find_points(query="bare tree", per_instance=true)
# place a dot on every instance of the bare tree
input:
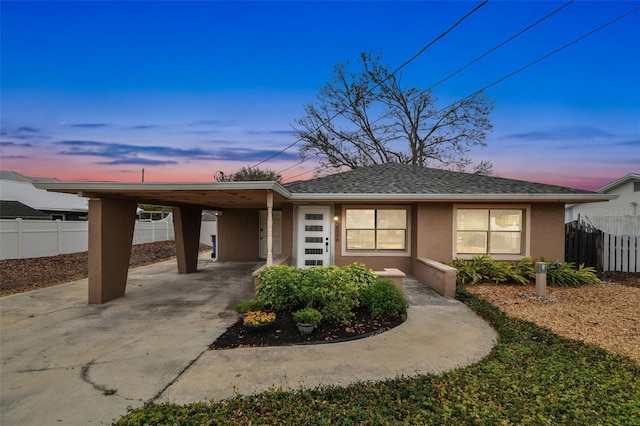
(368, 118)
(248, 174)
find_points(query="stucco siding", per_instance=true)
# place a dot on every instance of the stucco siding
(238, 235)
(547, 231)
(434, 231)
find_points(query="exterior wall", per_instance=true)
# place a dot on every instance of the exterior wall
(433, 231)
(238, 235)
(287, 230)
(547, 231)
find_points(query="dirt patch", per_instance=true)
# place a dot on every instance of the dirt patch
(606, 315)
(19, 275)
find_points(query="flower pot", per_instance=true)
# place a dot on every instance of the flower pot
(306, 328)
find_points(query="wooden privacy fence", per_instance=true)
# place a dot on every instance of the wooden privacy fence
(585, 244)
(581, 244)
(620, 253)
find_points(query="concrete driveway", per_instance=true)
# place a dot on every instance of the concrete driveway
(65, 362)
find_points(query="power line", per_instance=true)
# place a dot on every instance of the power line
(487, 53)
(540, 59)
(420, 52)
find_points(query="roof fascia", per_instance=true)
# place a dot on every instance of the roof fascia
(574, 198)
(80, 187)
(618, 182)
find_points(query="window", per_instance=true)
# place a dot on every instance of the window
(489, 231)
(376, 229)
(636, 186)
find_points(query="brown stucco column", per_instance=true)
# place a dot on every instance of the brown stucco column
(111, 224)
(186, 224)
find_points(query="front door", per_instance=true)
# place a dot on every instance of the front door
(314, 236)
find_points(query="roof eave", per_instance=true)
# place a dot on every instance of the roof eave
(560, 198)
(88, 187)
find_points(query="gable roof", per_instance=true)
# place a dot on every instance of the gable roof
(628, 178)
(15, 209)
(403, 180)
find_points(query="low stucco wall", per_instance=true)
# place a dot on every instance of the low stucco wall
(436, 275)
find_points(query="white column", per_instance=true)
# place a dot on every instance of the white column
(269, 228)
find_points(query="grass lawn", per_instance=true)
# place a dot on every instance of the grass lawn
(531, 377)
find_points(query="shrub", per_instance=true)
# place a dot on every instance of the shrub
(279, 287)
(307, 316)
(384, 298)
(359, 274)
(331, 292)
(484, 268)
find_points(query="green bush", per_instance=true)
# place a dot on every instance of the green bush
(384, 298)
(279, 287)
(251, 305)
(331, 292)
(484, 268)
(359, 274)
(307, 316)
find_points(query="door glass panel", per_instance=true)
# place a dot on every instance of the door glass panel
(313, 240)
(313, 228)
(314, 216)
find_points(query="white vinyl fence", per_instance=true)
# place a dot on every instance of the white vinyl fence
(621, 253)
(20, 239)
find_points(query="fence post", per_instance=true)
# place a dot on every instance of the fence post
(59, 229)
(19, 239)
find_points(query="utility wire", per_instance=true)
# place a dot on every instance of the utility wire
(431, 43)
(487, 53)
(540, 59)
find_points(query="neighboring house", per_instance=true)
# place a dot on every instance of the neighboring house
(620, 216)
(17, 210)
(18, 188)
(385, 216)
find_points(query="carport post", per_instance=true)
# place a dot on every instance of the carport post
(269, 228)
(111, 224)
(186, 224)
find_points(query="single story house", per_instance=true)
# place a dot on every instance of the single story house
(385, 216)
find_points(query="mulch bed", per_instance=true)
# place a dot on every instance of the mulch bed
(285, 332)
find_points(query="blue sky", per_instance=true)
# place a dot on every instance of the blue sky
(100, 90)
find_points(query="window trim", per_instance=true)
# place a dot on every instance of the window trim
(525, 232)
(374, 252)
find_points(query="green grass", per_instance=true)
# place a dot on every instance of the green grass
(531, 377)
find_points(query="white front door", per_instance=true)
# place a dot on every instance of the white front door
(277, 233)
(314, 236)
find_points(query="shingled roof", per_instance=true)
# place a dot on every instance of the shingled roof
(394, 178)
(15, 209)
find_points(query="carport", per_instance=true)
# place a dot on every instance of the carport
(112, 214)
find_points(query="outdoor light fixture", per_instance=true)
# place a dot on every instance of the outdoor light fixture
(336, 218)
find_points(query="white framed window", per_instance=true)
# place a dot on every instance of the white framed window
(375, 229)
(497, 231)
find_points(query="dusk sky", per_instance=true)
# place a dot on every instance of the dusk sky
(101, 90)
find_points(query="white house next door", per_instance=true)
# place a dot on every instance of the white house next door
(314, 236)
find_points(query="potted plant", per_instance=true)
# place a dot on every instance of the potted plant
(258, 320)
(307, 319)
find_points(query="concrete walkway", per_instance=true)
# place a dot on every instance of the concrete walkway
(59, 357)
